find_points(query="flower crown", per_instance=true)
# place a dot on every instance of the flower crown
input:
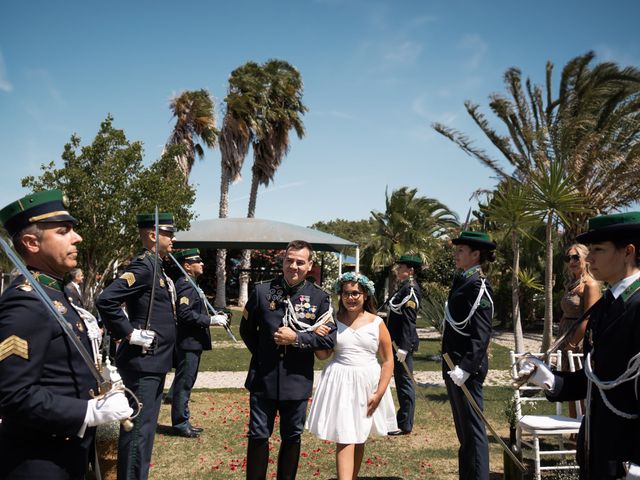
(357, 278)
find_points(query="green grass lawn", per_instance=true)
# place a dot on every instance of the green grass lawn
(430, 452)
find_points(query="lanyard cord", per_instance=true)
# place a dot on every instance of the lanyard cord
(290, 319)
(460, 326)
(397, 307)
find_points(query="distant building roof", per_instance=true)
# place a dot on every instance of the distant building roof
(240, 233)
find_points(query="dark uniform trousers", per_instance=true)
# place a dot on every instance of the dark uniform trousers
(613, 338)
(402, 329)
(469, 352)
(143, 373)
(43, 398)
(280, 379)
(193, 336)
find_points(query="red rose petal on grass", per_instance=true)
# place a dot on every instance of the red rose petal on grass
(369, 461)
(304, 454)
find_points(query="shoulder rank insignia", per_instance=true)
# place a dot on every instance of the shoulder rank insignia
(411, 304)
(484, 303)
(59, 306)
(128, 277)
(14, 345)
(184, 300)
(161, 283)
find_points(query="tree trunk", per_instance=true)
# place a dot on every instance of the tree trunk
(245, 263)
(547, 333)
(515, 295)
(221, 254)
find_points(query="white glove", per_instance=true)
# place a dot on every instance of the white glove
(634, 472)
(143, 338)
(219, 319)
(540, 373)
(401, 355)
(458, 375)
(113, 406)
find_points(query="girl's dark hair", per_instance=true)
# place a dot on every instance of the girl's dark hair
(369, 303)
(487, 255)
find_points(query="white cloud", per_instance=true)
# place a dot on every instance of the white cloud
(476, 48)
(5, 84)
(401, 53)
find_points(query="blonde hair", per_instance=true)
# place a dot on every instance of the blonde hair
(582, 251)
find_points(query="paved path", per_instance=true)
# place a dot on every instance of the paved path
(494, 377)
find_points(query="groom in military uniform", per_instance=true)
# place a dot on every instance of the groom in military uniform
(280, 376)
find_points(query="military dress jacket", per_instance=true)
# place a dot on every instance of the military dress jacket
(133, 288)
(44, 385)
(468, 349)
(402, 326)
(613, 338)
(193, 319)
(283, 372)
(73, 294)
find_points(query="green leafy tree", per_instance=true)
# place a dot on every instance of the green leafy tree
(195, 120)
(108, 185)
(281, 112)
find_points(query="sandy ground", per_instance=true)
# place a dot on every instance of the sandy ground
(495, 377)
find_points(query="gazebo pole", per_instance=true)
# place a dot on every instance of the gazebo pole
(339, 263)
(357, 259)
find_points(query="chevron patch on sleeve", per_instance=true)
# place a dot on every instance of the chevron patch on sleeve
(411, 304)
(128, 277)
(14, 345)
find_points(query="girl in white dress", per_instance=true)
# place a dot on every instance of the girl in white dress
(353, 399)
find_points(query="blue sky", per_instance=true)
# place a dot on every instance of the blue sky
(377, 75)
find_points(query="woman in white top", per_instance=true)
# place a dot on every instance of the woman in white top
(353, 399)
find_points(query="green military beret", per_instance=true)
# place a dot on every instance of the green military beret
(47, 206)
(477, 240)
(410, 261)
(617, 226)
(188, 255)
(165, 221)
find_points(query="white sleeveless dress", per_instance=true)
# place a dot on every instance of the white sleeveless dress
(339, 407)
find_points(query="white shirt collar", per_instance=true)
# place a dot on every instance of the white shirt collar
(621, 286)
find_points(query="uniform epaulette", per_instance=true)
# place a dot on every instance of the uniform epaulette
(24, 286)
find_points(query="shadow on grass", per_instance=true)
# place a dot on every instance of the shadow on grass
(166, 430)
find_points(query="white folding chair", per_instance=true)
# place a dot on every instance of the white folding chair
(575, 364)
(532, 428)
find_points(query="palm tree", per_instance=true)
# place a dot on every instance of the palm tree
(240, 125)
(553, 196)
(592, 127)
(195, 119)
(283, 110)
(410, 225)
(509, 210)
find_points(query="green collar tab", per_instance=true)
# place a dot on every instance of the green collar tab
(48, 281)
(472, 270)
(630, 290)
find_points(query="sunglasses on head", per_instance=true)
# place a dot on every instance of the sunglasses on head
(568, 258)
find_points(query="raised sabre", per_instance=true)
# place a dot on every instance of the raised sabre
(147, 324)
(104, 385)
(212, 311)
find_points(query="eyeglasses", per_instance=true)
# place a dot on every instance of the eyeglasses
(354, 295)
(568, 258)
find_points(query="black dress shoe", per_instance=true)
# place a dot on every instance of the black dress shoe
(186, 432)
(196, 429)
(398, 432)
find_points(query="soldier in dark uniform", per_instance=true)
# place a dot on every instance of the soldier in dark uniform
(280, 376)
(609, 438)
(467, 331)
(403, 309)
(47, 413)
(193, 337)
(144, 355)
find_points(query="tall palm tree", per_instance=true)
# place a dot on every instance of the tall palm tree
(509, 209)
(244, 102)
(553, 196)
(283, 110)
(195, 120)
